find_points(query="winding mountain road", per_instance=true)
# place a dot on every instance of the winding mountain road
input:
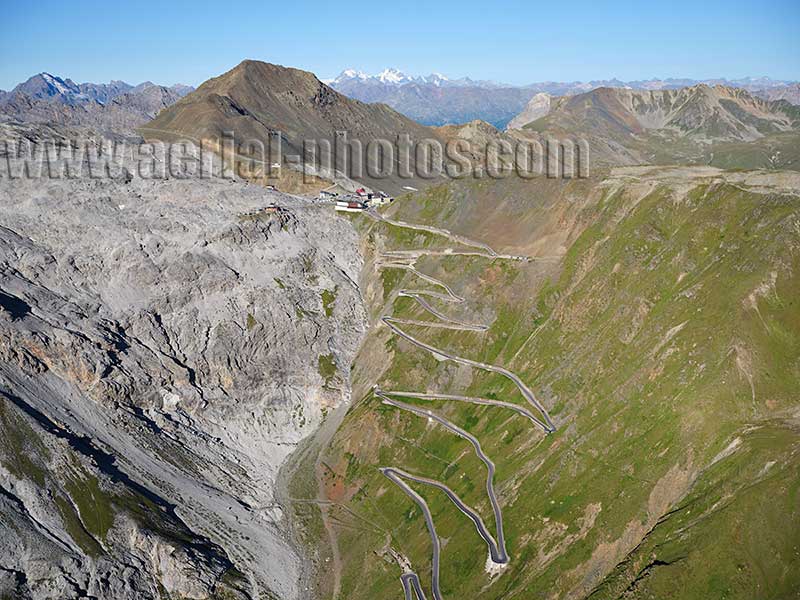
(547, 423)
(437, 547)
(436, 230)
(417, 295)
(497, 549)
(521, 410)
(411, 582)
(405, 259)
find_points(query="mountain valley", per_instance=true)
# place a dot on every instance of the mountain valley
(575, 386)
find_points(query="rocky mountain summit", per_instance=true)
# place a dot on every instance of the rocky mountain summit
(165, 345)
(694, 125)
(265, 103)
(537, 108)
(115, 106)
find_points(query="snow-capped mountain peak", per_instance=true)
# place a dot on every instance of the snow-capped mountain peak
(45, 85)
(57, 83)
(348, 75)
(437, 79)
(393, 76)
(353, 74)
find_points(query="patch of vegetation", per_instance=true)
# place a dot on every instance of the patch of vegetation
(94, 505)
(76, 529)
(646, 366)
(326, 365)
(301, 312)
(390, 278)
(21, 450)
(329, 300)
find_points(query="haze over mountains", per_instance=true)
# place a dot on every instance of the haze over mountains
(700, 124)
(433, 99)
(395, 77)
(438, 100)
(118, 105)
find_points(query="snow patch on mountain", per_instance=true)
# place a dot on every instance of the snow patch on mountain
(57, 83)
(393, 77)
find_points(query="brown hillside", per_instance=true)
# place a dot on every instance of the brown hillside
(256, 100)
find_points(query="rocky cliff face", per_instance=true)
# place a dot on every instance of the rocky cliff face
(537, 107)
(165, 345)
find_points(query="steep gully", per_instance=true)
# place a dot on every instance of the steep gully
(405, 260)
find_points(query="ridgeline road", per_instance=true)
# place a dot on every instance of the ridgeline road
(405, 260)
(497, 549)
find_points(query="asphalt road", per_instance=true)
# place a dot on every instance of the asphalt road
(437, 230)
(405, 260)
(497, 549)
(521, 410)
(417, 295)
(411, 582)
(526, 392)
(392, 474)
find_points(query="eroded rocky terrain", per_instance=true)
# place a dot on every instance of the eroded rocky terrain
(164, 346)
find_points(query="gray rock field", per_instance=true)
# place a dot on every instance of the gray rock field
(164, 346)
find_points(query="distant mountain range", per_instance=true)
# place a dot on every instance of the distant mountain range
(438, 100)
(721, 125)
(116, 105)
(435, 99)
(790, 93)
(636, 122)
(395, 77)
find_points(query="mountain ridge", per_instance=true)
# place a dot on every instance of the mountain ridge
(626, 127)
(437, 100)
(257, 100)
(117, 105)
(45, 85)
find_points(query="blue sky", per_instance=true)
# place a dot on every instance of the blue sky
(516, 42)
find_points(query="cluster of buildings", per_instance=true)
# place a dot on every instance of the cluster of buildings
(357, 201)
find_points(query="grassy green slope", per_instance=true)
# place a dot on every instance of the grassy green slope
(668, 330)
